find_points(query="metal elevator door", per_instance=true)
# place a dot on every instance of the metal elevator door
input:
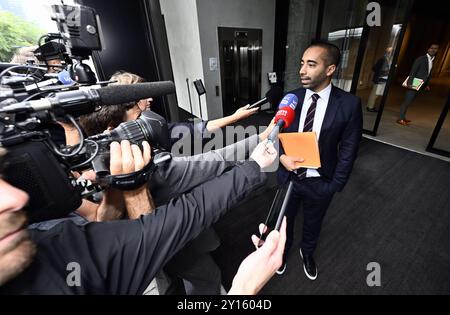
(240, 66)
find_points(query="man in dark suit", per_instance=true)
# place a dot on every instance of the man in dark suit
(336, 117)
(421, 69)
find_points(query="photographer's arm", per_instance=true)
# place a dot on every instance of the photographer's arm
(127, 158)
(181, 174)
(111, 207)
(141, 247)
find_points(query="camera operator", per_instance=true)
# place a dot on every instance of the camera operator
(119, 257)
(193, 264)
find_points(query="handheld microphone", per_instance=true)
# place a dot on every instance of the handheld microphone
(273, 96)
(284, 117)
(82, 102)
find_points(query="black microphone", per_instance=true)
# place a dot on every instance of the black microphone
(274, 95)
(81, 102)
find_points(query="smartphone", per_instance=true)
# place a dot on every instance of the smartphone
(277, 210)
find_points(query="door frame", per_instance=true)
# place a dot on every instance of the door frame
(437, 129)
(392, 69)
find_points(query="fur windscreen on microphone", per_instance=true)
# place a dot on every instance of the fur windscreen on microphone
(286, 114)
(119, 94)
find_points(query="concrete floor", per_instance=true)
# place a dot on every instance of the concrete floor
(424, 113)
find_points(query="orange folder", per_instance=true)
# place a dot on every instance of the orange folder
(304, 145)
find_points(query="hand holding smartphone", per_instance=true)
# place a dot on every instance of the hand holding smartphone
(277, 210)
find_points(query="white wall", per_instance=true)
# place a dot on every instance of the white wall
(258, 14)
(185, 53)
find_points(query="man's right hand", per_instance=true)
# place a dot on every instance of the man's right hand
(264, 154)
(289, 162)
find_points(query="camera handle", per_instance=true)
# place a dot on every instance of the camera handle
(134, 180)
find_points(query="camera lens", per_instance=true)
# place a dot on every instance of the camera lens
(149, 126)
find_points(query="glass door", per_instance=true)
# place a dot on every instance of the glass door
(342, 24)
(378, 63)
(440, 139)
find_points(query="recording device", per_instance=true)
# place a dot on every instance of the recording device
(284, 117)
(80, 30)
(81, 102)
(44, 170)
(273, 96)
(277, 210)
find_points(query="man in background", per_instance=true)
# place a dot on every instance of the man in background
(421, 69)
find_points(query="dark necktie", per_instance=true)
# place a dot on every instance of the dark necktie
(309, 121)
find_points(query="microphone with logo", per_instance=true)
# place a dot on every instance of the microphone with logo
(284, 116)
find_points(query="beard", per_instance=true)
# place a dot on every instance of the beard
(16, 249)
(313, 82)
(15, 261)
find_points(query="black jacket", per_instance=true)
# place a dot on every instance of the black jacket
(122, 257)
(420, 70)
(380, 69)
(339, 137)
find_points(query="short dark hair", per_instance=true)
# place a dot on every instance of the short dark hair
(333, 53)
(108, 116)
(112, 115)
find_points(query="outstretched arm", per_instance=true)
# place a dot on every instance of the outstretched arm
(240, 114)
(257, 269)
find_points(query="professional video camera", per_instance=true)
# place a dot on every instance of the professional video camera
(44, 170)
(33, 100)
(80, 32)
(60, 57)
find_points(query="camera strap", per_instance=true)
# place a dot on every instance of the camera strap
(133, 180)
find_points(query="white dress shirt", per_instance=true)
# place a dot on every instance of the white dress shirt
(321, 108)
(430, 63)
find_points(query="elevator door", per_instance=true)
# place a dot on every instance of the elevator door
(240, 66)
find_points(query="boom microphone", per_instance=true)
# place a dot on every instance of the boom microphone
(284, 117)
(81, 102)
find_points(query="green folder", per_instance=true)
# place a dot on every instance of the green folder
(416, 83)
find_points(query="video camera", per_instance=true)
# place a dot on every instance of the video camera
(32, 104)
(36, 164)
(60, 56)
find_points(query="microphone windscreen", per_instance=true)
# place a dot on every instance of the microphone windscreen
(274, 95)
(120, 94)
(290, 100)
(287, 114)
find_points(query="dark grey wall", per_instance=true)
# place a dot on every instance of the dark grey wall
(301, 30)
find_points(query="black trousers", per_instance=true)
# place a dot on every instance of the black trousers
(312, 192)
(409, 98)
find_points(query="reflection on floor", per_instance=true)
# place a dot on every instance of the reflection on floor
(424, 113)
